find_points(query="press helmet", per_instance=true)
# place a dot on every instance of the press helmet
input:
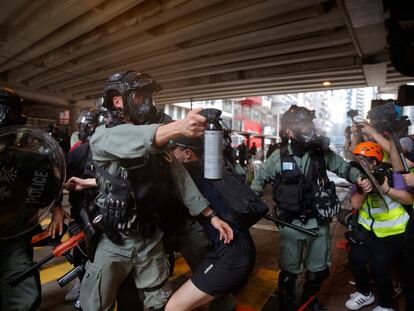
(369, 149)
(11, 108)
(136, 90)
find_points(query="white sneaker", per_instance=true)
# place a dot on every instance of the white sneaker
(77, 305)
(357, 301)
(378, 308)
(74, 291)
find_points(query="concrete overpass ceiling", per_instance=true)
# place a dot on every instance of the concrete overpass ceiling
(200, 49)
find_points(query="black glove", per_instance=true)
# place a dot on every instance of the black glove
(326, 202)
(118, 211)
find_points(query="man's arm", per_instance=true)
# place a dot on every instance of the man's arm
(192, 126)
(187, 189)
(266, 172)
(194, 200)
(381, 140)
(128, 141)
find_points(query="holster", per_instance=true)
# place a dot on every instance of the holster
(93, 234)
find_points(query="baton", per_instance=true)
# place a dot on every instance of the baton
(58, 251)
(292, 226)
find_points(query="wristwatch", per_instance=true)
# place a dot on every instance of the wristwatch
(211, 215)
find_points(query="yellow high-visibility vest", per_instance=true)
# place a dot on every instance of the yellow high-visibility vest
(374, 216)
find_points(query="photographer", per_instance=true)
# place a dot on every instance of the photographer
(378, 239)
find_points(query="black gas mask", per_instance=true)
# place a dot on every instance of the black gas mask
(139, 106)
(86, 124)
(304, 132)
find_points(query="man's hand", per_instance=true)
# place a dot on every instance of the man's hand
(365, 184)
(385, 187)
(194, 124)
(409, 179)
(368, 129)
(80, 184)
(58, 217)
(354, 129)
(226, 232)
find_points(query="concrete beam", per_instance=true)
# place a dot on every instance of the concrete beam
(375, 74)
(74, 29)
(134, 21)
(337, 38)
(329, 21)
(275, 84)
(366, 23)
(43, 22)
(283, 60)
(320, 54)
(262, 92)
(37, 96)
(235, 78)
(8, 8)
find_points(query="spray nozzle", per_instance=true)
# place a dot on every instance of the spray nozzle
(211, 114)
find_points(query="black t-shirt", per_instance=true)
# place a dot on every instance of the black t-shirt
(217, 202)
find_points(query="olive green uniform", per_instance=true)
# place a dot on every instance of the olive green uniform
(143, 257)
(16, 256)
(293, 244)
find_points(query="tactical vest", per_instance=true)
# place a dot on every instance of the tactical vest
(293, 192)
(150, 184)
(375, 217)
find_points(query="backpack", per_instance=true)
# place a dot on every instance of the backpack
(245, 207)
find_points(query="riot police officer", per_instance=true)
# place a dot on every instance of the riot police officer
(135, 177)
(31, 178)
(298, 171)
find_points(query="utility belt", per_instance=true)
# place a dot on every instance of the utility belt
(303, 217)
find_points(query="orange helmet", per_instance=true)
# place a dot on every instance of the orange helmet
(369, 149)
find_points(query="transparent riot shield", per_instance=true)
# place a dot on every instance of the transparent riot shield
(32, 173)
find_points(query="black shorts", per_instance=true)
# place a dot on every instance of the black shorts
(226, 269)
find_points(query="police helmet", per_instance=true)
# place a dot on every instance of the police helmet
(300, 121)
(136, 90)
(11, 108)
(86, 123)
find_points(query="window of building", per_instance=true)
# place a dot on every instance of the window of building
(64, 117)
(237, 109)
(256, 114)
(179, 113)
(227, 106)
(237, 125)
(247, 111)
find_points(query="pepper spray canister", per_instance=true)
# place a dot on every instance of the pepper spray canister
(213, 144)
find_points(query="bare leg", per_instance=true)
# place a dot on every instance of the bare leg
(187, 297)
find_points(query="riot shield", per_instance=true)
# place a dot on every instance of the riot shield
(32, 173)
